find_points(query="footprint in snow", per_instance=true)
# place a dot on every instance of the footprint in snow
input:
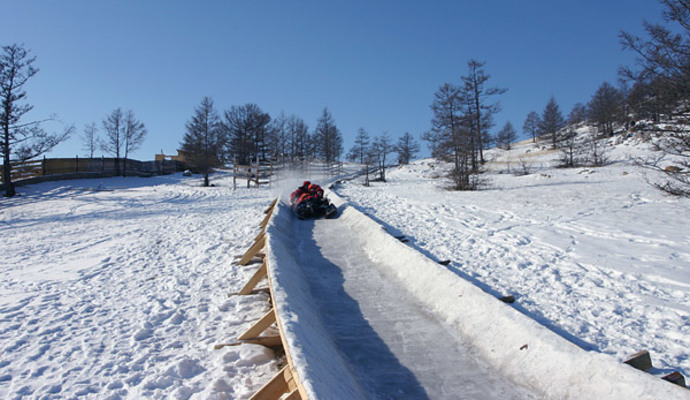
(143, 334)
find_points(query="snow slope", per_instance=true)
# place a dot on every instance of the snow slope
(391, 323)
(117, 288)
(596, 255)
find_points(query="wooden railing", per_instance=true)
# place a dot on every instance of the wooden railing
(62, 166)
(258, 174)
(286, 381)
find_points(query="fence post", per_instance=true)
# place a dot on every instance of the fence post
(234, 173)
(76, 162)
(43, 169)
(258, 172)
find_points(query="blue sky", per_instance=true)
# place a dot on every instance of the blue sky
(374, 64)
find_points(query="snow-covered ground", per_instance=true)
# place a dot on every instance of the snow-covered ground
(595, 254)
(117, 288)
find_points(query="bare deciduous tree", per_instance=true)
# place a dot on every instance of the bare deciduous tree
(89, 139)
(123, 134)
(476, 93)
(380, 149)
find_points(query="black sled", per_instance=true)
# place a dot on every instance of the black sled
(315, 208)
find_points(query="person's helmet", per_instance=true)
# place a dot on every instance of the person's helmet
(306, 184)
(312, 186)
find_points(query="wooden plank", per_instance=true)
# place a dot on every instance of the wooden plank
(294, 395)
(640, 360)
(254, 291)
(221, 345)
(270, 208)
(254, 280)
(676, 378)
(286, 349)
(260, 236)
(257, 329)
(266, 341)
(269, 213)
(252, 251)
(274, 388)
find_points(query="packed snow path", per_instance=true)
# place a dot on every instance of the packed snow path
(394, 347)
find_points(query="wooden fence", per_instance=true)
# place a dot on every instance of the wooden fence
(257, 173)
(106, 166)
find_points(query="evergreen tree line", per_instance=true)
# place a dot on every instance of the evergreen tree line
(245, 134)
(653, 92)
(375, 151)
(653, 97)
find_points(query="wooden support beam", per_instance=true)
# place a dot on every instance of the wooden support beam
(507, 299)
(276, 387)
(270, 208)
(255, 291)
(269, 213)
(640, 360)
(254, 250)
(254, 280)
(294, 395)
(675, 377)
(257, 329)
(260, 235)
(266, 341)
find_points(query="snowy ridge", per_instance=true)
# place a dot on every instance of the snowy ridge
(319, 366)
(518, 347)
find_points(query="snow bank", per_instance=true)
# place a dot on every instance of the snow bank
(319, 366)
(516, 345)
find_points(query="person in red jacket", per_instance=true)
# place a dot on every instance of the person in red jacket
(308, 201)
(315, 191)
(297, 194)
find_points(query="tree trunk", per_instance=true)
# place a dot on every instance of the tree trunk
(7, 167)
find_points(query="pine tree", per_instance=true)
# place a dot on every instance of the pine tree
(328, 138)
(552, 122)
(407, 148)
(203, 139)
(450, 136)
(246, 128)
(21, 140)
(605, 108)
(531, 125)
(506, 136)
